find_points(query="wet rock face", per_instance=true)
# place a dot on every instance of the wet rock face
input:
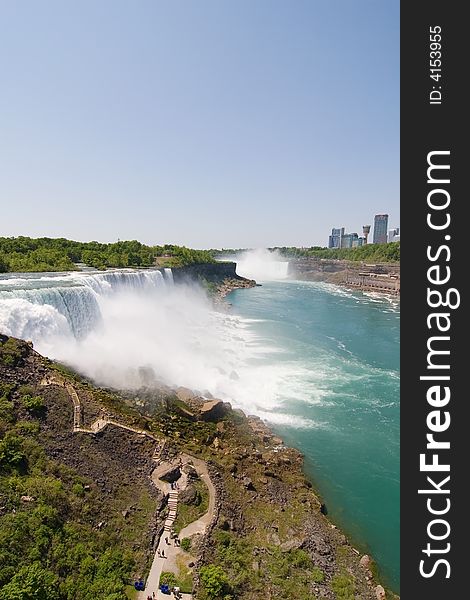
(214, 272)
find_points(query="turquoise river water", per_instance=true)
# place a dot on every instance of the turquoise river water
(343, 350)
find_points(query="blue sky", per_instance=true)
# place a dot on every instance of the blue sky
(207, 123)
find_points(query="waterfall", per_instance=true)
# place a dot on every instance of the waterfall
(262, 265)
(169, 275)
(37, 305)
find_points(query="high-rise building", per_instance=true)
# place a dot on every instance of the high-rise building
(394, 235)
(334, 241)
(365, 232)
(350, 240)
(380, 229)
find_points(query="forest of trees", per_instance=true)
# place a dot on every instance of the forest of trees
(376, 253)
(371, 252)
(25, 254)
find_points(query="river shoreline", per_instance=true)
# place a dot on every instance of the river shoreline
(229, 285)
(359, 544)
(383, 278)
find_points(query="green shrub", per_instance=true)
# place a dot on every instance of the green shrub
(78, 490)
(10, 352)
(186, 544)
(27, 427)
(343, 586)
(214, 581)
(11, 452)
(6, 409)
(26, 389)
(317, 575)
(6, 389)
(34, 404)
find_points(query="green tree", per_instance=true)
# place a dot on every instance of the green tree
(214, 580)
(31, 582)
(11, 451)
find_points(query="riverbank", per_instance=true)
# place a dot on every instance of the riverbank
(219, 278)
(381, 277)
(326, 388)
(228, 285)
(268, 538)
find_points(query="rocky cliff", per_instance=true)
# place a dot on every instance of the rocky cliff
(384, 277)
(83, 512)
(212, 272)
(218, 278)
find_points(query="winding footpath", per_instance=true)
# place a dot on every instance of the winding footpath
(166, 544)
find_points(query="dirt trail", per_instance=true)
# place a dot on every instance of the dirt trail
(171, 551)
(167, 552)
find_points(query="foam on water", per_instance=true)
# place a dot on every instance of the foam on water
(128, 328)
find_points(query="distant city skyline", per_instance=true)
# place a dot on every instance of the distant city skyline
(209, 124)
(334, 238)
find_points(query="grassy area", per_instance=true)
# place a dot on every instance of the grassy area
(182, 579)
(131, 592)
(130, 528)
(187, 513)
(185, 574)
(343, 586)
(291, 573)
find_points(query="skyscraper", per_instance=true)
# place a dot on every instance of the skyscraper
(350, 240)
(380, 229)
(365, 232)
(334, 240)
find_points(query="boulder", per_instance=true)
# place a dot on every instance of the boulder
(213, 410)
(185, 395)
(248, 484)
(365, 561)
(189, 495)
(380, 593)
(292, 544)
(190, 472)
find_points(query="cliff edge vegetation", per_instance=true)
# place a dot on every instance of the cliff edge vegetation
(25, 254)
(379, 253)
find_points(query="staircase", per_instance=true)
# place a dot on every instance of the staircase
(172, 505)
